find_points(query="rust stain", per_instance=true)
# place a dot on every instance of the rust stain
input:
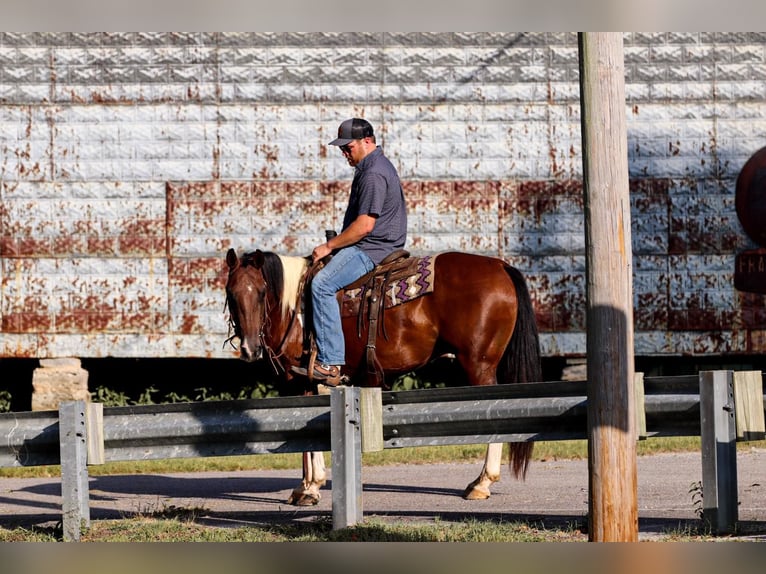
(189, 325)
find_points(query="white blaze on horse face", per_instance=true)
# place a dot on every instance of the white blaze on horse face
(244, 348)
(250, 348)
(248, 353)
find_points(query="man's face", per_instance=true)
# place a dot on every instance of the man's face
(354, 151)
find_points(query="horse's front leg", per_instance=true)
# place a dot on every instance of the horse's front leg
(479, 488)
(314, 478)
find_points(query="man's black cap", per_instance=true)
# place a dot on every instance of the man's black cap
(353, 129)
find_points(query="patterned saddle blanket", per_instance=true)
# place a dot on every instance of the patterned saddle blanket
(401, 281)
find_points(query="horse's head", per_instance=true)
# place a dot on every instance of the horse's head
(247, 301)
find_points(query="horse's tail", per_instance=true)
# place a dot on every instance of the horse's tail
(521, 362)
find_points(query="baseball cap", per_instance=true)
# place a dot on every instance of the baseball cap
(353, 129)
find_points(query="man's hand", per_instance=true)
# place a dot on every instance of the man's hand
(358, 229)
(320, 252)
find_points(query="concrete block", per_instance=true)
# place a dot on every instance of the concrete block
(57, 381)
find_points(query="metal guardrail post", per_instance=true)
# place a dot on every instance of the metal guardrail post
(74, 470)
(346, 443)
(719, 451)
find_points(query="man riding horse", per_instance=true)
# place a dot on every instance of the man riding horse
(374, 226)
(476, 308)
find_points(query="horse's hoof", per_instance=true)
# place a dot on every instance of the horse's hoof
(476, 493)
(303, 499)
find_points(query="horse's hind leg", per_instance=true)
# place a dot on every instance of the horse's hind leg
(490, 472)
(314, 478)
(482, 374)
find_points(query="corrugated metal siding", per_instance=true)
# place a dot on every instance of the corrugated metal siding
(129, 163)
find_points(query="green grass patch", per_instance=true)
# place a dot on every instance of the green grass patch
(154, 529)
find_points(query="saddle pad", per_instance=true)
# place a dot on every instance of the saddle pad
(400, 289)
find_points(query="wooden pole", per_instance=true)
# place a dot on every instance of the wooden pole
(612, 468)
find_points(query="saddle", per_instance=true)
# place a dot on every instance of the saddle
(397, 279)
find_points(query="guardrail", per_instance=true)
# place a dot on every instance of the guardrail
(80, 434)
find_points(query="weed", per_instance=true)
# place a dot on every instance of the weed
(697, 501)
(165, 511)
(111, 398)
(145, 398)
(184, 514)
(5, 401)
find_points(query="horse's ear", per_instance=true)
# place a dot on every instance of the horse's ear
(231, 259)
(258, 258)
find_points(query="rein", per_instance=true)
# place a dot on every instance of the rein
(232, 326)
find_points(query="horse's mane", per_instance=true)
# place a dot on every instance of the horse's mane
(283, 276)
(293, 269)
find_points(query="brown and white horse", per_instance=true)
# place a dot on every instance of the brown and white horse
(479, 310)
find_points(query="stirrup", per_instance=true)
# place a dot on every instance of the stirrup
(331, 378)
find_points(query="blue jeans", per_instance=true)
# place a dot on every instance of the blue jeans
(345, 267)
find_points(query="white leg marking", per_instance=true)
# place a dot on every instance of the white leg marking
(314, 477)
(490, 472)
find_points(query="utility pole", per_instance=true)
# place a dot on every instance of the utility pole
(612, 479)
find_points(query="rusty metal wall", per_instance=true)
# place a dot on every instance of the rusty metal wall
(130, 162)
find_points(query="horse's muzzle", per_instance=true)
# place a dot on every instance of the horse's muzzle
(250, 355)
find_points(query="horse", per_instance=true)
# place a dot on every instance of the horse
(479, 311)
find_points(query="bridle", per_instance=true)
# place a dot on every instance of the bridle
(233, 327)
(265, 324)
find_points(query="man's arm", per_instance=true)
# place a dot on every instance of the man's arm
(360, 228)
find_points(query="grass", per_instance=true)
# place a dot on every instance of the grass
(371, 531)
(181, 525)
(179, 529)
